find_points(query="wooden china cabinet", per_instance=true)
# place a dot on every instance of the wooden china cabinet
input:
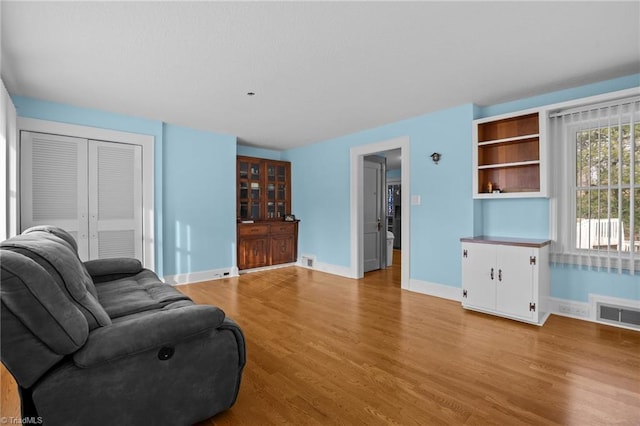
(263, 196)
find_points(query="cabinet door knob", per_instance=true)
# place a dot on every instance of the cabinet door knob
(499, 274)
(491, 273)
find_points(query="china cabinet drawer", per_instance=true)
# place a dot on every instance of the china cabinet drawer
(283, 228)
(247, 230)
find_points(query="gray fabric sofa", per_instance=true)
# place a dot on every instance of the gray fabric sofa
(106, 342)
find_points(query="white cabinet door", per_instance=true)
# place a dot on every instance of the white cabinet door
(479, 274)
(53, 182)
(92, 189)
(115, 200)
(506, 276)
(514, 281)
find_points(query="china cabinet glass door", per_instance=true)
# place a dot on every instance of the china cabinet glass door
(249, 190)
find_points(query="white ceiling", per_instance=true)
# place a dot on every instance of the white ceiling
(319, 69)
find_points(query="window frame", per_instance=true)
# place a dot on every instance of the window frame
(563, 213)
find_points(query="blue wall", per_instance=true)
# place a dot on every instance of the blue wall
(394, 173)
(200, 198)
(321, 198)
(505, 217)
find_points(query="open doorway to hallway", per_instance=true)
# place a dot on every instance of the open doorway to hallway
(358, 153)
(388, 273)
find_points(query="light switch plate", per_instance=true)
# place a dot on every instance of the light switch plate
(415, 200)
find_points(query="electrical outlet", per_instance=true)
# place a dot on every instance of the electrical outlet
(581, 312)
(574, 310)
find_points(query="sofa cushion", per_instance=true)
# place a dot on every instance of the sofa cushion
(138, 293)
(114, 268)
(39, 323)
(54, 230)
(57, 257)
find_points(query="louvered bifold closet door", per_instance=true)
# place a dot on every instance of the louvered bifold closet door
(115, 200)
(53, 173)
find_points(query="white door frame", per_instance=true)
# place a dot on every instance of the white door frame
(147, 143)
(357, 155)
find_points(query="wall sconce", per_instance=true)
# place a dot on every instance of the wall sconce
(436, 156)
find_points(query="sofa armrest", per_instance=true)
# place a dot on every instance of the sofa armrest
(229, 324)
(118, 266)
(163, 328)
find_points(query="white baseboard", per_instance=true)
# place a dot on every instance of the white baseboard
(342, 271)
(194, 277)
(434, 289)
(588, 311)
(267, 268)
(570, 308)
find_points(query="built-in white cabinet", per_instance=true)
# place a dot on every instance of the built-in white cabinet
(510, 156)
(507, 277)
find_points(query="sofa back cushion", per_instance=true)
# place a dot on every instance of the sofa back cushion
(58, 232)
(61, 262)
(39, 323)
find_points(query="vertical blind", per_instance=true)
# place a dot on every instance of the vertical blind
(595, 205)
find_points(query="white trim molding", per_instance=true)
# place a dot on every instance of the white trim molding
(9, 161)
(588, 311)
(341, 271)
(434, 289)
(195, 277)
(569, 308)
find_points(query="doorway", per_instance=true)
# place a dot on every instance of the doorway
(357, 204)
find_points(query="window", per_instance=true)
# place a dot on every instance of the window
(596, 199)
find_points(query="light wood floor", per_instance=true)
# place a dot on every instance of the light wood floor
(328, 350)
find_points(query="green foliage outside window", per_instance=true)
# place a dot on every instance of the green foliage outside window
(605, 160)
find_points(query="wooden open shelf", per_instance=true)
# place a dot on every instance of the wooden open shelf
(509, 128)
(508, 155)
(522, 178)
(509, 152)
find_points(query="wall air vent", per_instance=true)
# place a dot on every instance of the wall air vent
(619, 315)
(307, 260)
